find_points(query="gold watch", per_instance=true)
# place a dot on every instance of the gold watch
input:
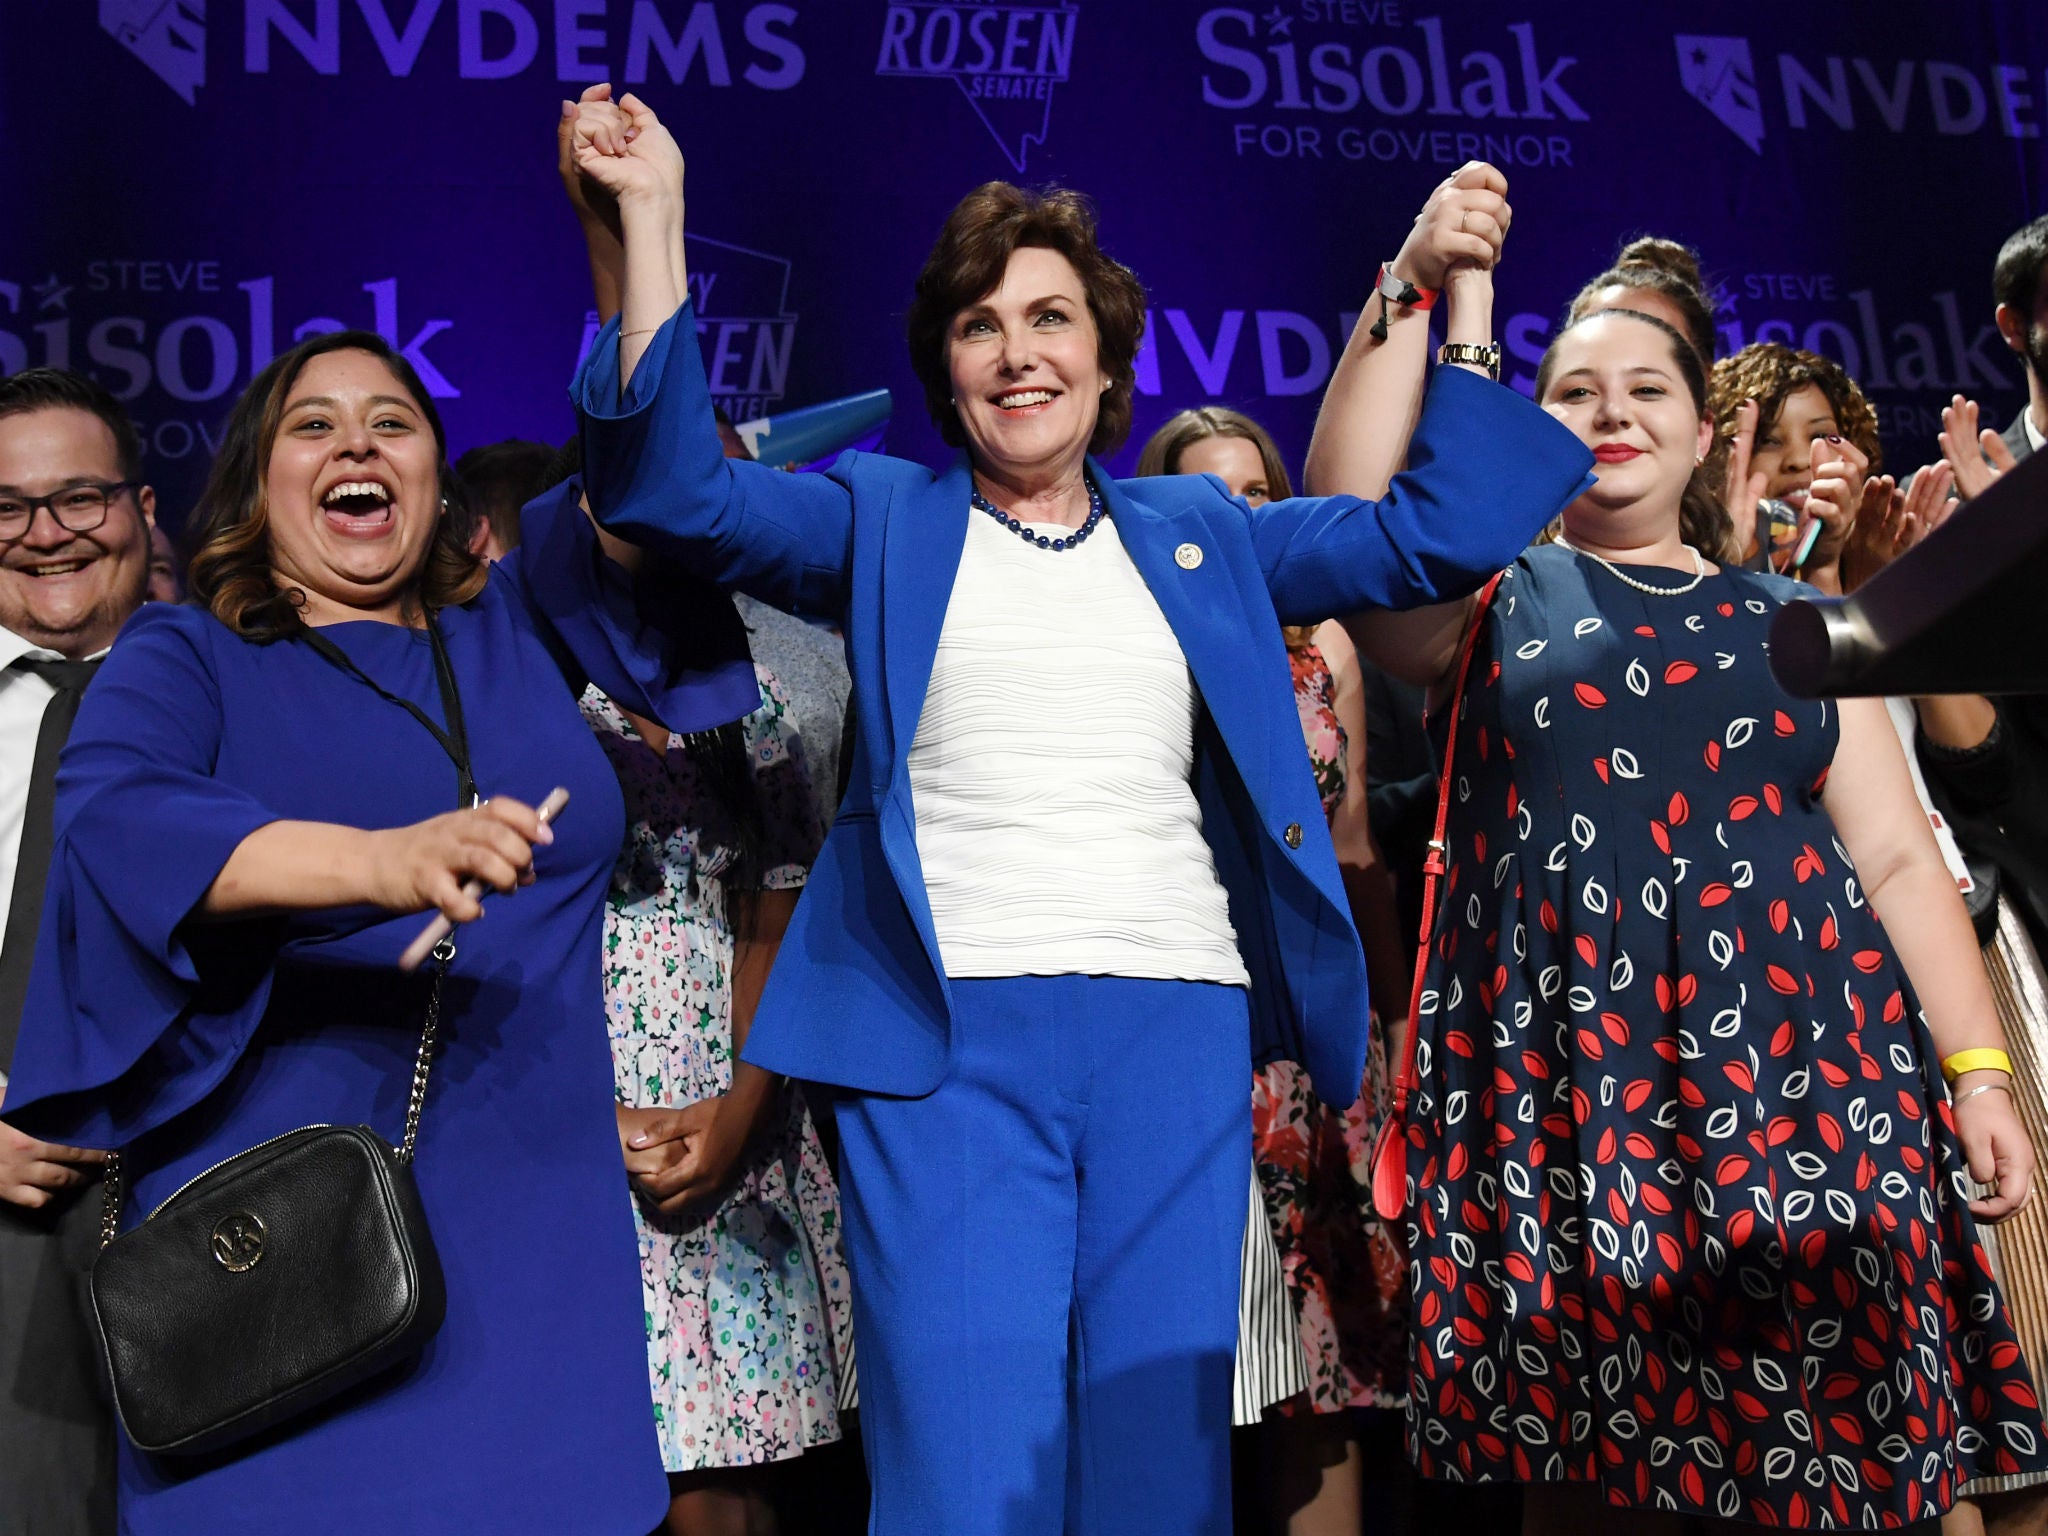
(1481, 355)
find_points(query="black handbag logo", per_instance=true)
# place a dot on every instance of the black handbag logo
(238, 1242)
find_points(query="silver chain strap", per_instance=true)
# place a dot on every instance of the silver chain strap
(110, 1199)
(110, 1183)
(423, 1063)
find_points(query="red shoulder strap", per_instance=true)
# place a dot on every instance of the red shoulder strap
(1389, 1157)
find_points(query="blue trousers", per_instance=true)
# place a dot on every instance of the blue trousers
(1045, 1260)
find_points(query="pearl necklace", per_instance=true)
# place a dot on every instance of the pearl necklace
(1699, 571)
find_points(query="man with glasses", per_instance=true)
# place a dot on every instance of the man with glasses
(75, 525)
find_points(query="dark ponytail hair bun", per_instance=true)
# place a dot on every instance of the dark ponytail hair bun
(1667, 256)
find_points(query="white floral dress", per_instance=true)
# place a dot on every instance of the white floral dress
(749, 1318)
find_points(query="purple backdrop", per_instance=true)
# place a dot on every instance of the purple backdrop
(191, 184)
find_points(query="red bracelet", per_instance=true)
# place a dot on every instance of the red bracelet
(1403, 292)
(1390, 289)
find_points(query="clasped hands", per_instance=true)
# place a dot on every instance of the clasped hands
(1458, 234)
(621, 149)
(688, 1154)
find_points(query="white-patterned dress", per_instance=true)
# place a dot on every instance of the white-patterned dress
(749, 1320)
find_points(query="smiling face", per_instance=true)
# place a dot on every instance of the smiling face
(1026, 368)
(1784, 448)
(70, 592)
(1233, 460)
(1617, 385)
(352, 490)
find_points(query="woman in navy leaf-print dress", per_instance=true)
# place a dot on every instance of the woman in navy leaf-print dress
(1690, 1208)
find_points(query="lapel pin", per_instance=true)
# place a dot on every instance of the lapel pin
(1188, 556)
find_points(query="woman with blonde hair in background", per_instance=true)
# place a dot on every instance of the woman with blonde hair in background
(1342, 1310)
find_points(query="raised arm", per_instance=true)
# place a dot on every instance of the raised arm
(654, 471)
(1486, 471)
(1374, 398)
(1373, 406)
(597, 211)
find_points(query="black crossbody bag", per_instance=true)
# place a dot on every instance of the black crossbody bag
(291, 1272)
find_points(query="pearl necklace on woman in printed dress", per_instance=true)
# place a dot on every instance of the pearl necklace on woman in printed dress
(1699, 570)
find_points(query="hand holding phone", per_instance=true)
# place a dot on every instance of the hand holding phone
(440, 926)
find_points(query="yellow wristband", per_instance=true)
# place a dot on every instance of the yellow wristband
(1975, 1060)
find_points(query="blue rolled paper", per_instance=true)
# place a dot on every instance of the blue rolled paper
(815, 434)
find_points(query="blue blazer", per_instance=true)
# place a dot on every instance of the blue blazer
(859, 995)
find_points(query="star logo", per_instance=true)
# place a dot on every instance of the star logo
(52, 293)
(1278, 23)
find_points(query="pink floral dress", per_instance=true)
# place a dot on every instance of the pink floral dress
(749, 1317)
(1345, 1269)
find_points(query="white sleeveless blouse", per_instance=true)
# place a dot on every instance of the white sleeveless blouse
(1050, 774)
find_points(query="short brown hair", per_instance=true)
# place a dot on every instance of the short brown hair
(1768, 372)
(231, 573)
(985, 228)
(59, 389)
(500, 478)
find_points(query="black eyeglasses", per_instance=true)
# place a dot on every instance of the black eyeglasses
(77, 508)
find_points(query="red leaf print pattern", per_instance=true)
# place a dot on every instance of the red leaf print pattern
(1670, 1034)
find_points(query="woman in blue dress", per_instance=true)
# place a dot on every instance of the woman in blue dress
(247, 829)
(1081, 875)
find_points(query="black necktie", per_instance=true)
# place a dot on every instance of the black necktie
(38, 837)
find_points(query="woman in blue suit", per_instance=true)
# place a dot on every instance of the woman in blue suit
(1080, 878)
